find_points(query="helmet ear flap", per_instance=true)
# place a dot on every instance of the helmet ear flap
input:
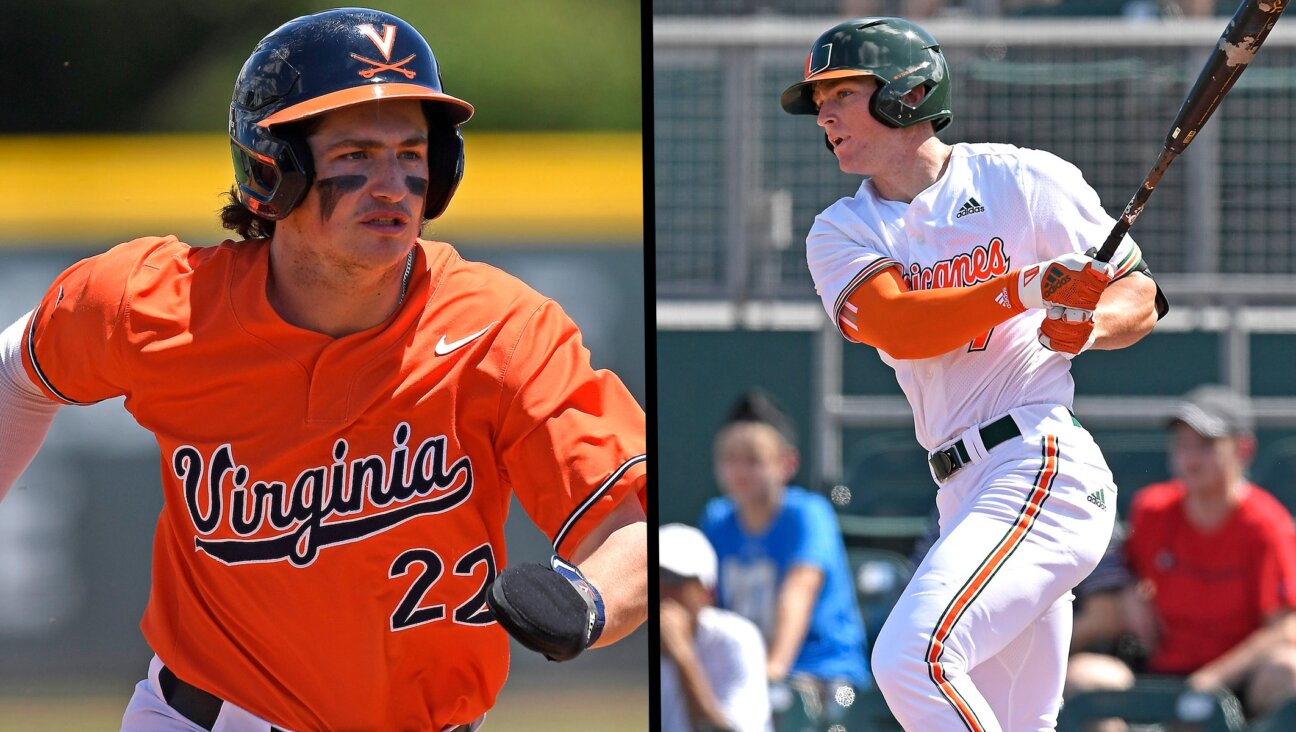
(881, 102)
(445, 166)
(298, 168)
(272, 185)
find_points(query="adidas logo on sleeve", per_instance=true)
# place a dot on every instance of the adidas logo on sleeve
(970, 206)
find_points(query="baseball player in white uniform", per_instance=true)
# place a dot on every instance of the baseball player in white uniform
(965, 266)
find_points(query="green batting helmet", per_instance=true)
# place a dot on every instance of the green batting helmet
(899, 54)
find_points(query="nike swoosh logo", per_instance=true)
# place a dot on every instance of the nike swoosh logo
(443, 348)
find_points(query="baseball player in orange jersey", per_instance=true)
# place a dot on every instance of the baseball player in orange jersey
(343, 411)
(965, 266)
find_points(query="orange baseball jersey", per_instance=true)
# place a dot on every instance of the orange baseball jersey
(335, 507)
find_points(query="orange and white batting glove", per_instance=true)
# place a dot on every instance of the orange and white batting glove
(1073, 281)
(1066, 336)
(1067, 288)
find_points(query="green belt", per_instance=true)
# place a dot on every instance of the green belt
(949, 461)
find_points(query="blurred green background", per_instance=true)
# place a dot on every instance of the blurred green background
(98, 78)
(169, 65)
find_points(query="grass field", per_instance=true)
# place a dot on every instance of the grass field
(533, 709)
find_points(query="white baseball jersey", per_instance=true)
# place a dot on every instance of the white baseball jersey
(995, 208)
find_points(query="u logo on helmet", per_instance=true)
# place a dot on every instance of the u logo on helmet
(811, 69)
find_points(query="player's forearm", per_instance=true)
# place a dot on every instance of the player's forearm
(1126, 312)
(906, 324)
(25, 413)
(615, 560)
(796, 600)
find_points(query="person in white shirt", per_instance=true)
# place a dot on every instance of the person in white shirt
(713, 660)
(969, 268)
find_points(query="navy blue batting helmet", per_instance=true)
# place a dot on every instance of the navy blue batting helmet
(326, 61)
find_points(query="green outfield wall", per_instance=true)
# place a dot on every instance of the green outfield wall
(701, 373)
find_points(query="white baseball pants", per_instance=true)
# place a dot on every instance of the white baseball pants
(979, 639)
(149, 712)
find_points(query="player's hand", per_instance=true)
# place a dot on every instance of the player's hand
(552, 610)
(1067, 331)
(1073, 281)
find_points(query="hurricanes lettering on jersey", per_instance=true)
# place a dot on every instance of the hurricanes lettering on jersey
(317, 494)
(961, 270)
(1037, 207)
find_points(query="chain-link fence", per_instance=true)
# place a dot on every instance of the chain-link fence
(738, 181)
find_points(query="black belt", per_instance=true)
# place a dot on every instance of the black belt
(198, 706)
(949, 461)
(193, 703)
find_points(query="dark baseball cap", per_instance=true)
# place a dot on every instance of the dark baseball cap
(755, 405)
(1215, 411)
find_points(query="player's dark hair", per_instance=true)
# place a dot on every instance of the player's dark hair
(757, 406)
(236, 217)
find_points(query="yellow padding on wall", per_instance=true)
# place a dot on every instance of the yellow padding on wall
(516, 187)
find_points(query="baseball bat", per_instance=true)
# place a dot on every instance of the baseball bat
(1236, 48)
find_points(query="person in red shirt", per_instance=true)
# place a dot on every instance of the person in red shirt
(1214, 556)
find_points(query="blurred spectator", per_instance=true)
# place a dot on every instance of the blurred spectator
(1215, 560)
(713, 660)
(782, 559)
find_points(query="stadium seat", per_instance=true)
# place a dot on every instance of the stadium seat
(880, 576)
(868, 713)
(1155, 701)
(798, 716)
(1282, 719)
(888, 476)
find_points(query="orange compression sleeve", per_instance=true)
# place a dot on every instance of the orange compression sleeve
(883, 312)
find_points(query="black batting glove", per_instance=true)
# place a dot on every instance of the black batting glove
(552, 610)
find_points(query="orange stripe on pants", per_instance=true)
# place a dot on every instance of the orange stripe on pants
(963, 600)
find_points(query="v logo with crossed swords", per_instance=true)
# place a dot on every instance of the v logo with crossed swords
(385, 43)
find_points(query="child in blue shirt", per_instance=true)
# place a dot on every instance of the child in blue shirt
(782, 559)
